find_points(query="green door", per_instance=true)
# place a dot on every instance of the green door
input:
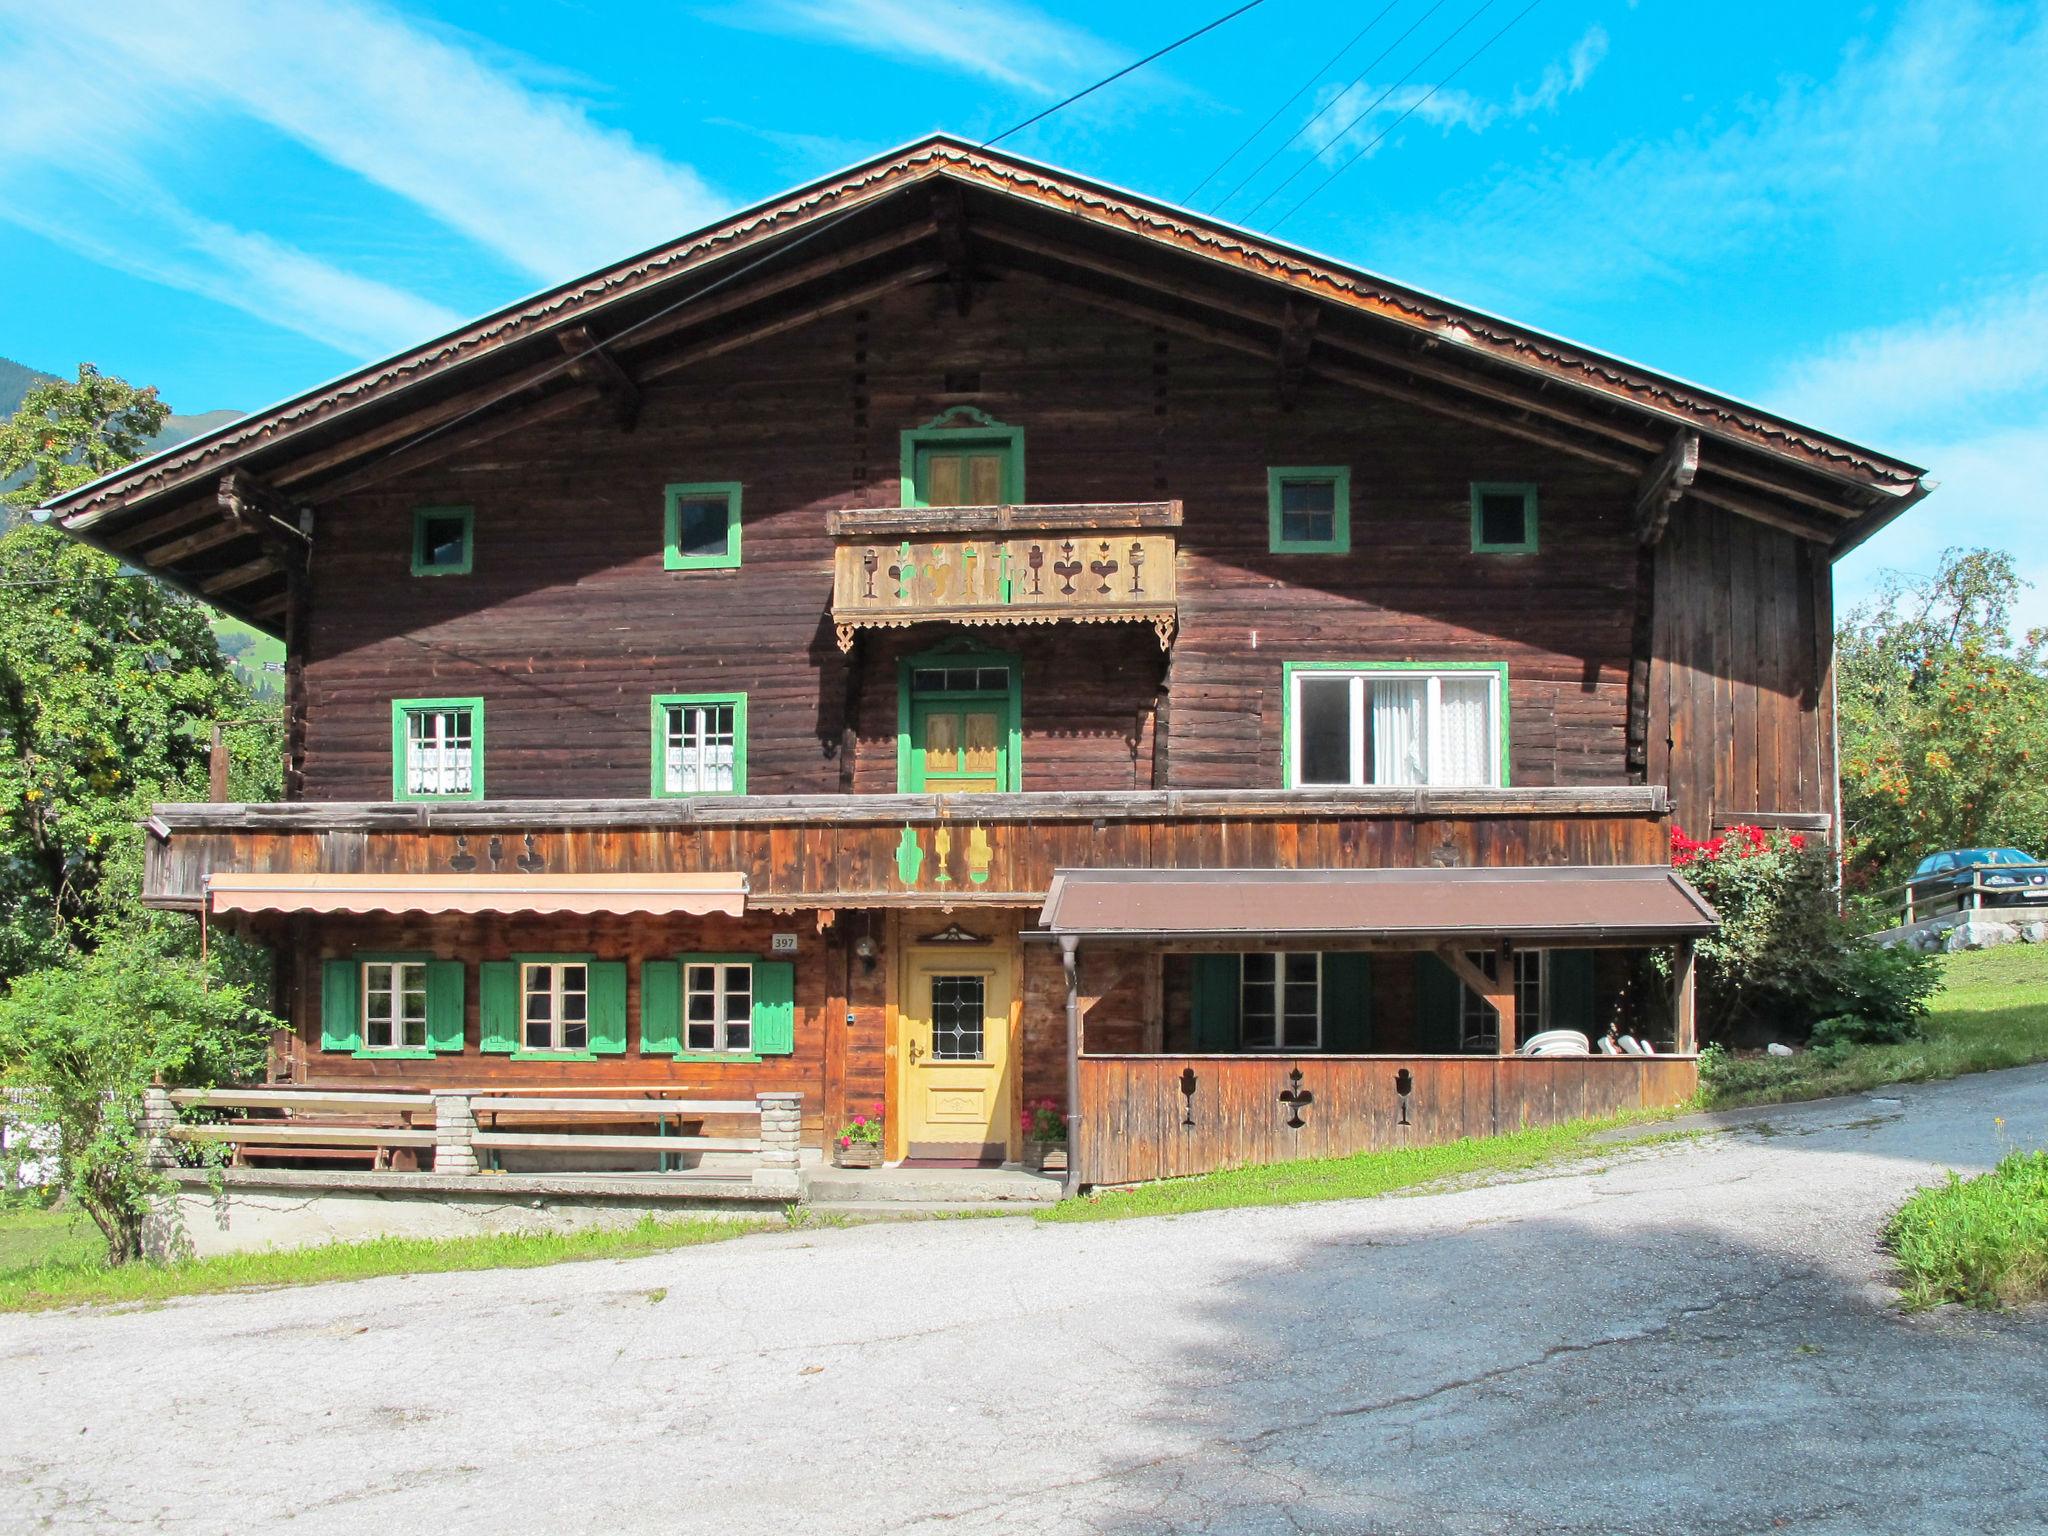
(961, 748)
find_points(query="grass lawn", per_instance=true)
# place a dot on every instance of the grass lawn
(1992, 1011)
(54, 1258)
(1345, 1178)
(1982, 1241)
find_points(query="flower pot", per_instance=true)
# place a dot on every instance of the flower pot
(862, 1154)
(1045, 1156)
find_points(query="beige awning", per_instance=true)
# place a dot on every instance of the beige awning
(656, 895)
(1611, 902)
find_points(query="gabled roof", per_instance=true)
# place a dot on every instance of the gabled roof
(222, 515)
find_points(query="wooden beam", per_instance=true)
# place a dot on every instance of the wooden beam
(241, 575)
(949, 212)
(1761, 512)
(793, 319)
(1664, 483)
(1297, 339)
(215, 533)
(1497, 991)
(442, 445)
(590, 363)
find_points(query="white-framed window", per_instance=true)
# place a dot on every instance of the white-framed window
(1478, 1025)
(554, 1005)
(1401, 726)
(718, 1005)
(699, 748)
(394, 1005)
(440, 752)
(1280, 1002)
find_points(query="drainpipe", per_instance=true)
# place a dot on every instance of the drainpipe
(1070, 963)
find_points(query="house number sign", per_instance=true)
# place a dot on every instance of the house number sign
(782, 944)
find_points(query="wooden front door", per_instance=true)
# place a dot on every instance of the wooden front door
(963, 747)
(956, 1092)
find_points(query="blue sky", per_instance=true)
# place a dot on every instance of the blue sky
(1829, 210)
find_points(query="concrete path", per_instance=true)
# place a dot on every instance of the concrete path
(1697, 1338)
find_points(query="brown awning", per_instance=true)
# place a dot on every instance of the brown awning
(1564, 903)
(656, 895)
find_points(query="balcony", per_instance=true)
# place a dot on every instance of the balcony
(1097, 564)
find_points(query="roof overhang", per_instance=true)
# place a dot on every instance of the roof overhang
(1562, 904)
(943, 210)
(655, 895)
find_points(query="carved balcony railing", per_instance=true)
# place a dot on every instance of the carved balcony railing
(1099, 564)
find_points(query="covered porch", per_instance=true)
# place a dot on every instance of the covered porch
(1223, 1018)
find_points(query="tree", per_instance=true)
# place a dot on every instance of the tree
(81, 1040)
(1944, 719)
(65, 434)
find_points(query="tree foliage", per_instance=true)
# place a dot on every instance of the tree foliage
(1944, 719)
(79, 1042)
(69, 432)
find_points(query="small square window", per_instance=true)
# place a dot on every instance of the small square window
(1308, 510)
(441, 540)
(703, 527)
(1504, 519)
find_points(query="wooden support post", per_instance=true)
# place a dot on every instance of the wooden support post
(1664, 483)
(217, 766)
(1070, 963)
(1684, 1031)
(1498, 991)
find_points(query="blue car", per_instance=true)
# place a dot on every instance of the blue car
(2009, 877)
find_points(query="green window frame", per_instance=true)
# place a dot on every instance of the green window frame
(1481, 490)
(665, 993)
(962, 426)
(402, 779)
(1293, 672)
(345, 999)
(1220, 983)
(706, 745)
(673, 497)
(910, 771)
(1278, 478)
(423, 563)
(502, 987)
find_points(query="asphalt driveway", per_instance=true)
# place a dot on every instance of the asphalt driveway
(1694, 1338)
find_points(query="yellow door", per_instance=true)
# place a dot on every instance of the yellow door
(961, 747)
(956, 1094)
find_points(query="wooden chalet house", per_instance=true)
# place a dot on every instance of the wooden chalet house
(960, 635)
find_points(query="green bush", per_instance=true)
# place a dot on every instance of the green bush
(1981, 1241)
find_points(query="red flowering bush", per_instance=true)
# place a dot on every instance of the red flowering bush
(862, 1130)
(1041, 1120)
(1783, 961)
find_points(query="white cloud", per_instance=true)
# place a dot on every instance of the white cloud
(1016, 45)
(523, 173)
(1566, 78)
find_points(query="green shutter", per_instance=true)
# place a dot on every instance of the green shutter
(1570, 1003)
(1439, 1000)
(1347, 1001)
(497, 1005)
(1216, 987)
(608, 1007)
(661, 1007)
(774, 1008)
(341, 1006)
(444, 1005)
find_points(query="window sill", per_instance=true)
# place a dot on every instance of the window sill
(410, 1053)
(554, 1055)
(738, 1057)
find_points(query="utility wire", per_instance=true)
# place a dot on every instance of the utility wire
(1189, 200)
(1127, 69)
(1324, 110)
(1378, 101)
(1397, 122)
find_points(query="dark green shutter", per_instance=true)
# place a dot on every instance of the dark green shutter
(1347, 1001)
(341, 1006)
(1439, 1003)
(1216, 999)
(661, 1007)
(1570, 1003)
(774, 1008)
(608, 1008)
(444, 1005)
(497, 1005)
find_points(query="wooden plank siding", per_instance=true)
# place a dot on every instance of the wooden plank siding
(1133, 1114)
(569, 623)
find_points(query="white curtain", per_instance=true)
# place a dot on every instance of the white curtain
(1399, 746)
(1463, 739)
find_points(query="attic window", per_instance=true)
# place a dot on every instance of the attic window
(1308, 511)
(442, 540)
(1503, 519)
(702, 527)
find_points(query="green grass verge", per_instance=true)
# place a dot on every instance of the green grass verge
(1345, 1178)
(1991, 1012)
(55, 1258)
(1981, 1241)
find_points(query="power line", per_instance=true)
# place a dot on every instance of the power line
(1324, 110)
(1316, 75)
(1397, 122)
(1127, 69)
(1378, 102)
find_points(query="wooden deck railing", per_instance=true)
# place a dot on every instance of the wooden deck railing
(1971, 888)
(1155, 1117)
